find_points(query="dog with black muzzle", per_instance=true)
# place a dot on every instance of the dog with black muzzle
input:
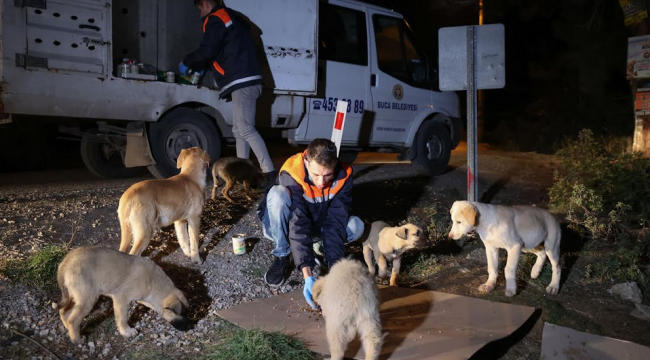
(88, 272)
(389, 244)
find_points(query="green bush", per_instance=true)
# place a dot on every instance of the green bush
(598, 188)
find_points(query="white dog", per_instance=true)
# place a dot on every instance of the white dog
(348, 297)
(516, 229)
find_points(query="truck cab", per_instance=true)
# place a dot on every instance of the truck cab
(62, 59)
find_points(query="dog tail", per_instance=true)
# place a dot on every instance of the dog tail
(66, 301)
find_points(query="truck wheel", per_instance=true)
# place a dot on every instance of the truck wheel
(433, 148)
(181, 129)
(103, 158)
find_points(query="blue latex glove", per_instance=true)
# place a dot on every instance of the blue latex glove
(201, 72)
(182, 68)
(309, 284)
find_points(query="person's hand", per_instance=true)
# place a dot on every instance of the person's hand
(182, 68)
(309, 284)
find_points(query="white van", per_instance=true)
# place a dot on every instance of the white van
(61, 58)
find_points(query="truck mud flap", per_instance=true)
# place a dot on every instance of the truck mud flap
(138, 152)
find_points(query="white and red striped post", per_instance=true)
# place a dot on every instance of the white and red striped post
(339, 123)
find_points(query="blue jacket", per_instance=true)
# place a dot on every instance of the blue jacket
(228, 50)
(313, 209)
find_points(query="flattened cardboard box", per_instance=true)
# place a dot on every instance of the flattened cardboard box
(417, 324)
(563, 343)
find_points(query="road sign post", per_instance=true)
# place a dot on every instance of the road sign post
(472, 58)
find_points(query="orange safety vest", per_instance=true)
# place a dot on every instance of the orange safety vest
(227, 21)
(295, 167)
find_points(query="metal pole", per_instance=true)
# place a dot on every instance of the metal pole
(472, 166)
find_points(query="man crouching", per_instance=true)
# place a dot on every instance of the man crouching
(314, 196)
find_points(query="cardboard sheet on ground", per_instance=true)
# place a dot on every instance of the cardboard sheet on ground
(563, 343)
(417, 324)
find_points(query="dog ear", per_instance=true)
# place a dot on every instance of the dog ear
(181, 297)
(206, 157)
(470, 213)
(181, 158)
(402, 232)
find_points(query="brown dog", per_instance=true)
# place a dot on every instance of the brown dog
(158, 203)
(390, 243)
(233, 170)
(87, 272)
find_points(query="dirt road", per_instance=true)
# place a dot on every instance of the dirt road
(55, 207)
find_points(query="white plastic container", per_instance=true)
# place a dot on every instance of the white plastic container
(239, 244)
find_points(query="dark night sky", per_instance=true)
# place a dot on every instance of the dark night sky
(565, 65)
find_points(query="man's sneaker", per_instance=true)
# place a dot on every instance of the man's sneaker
(275, 276)
(318, 248)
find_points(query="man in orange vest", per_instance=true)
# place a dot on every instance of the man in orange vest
(313, 195)
(229, 52)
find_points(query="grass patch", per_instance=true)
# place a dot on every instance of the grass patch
(526, 262)
(38, 269)
(256, 344)
(624, 263)
(424, 267)
(435, 221)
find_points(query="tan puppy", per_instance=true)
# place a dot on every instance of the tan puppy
(87, 272)
(348, 297)
(390, 243)
(234, 170)
(516, 229)
(159, 203)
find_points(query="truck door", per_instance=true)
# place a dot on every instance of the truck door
(399, 83)
(343, 72)
(67, 35)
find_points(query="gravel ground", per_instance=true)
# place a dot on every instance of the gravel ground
(46, 210)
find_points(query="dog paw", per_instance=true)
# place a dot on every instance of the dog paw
(197, 260)
(535, 273)
(553, 290)
(511, 292)
(485, 288)
(128, 332)
(77, 340)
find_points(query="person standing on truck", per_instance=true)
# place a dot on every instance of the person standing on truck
(314, 196)
(229, 51)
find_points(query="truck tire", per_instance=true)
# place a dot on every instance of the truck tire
(104, 159)
(180, 129)
(433, 148)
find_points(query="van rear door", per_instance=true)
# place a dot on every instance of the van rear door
(288, 30)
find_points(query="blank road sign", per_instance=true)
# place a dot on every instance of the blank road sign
(490, 57)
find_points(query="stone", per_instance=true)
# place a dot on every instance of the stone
(627, 291)
(477, 255)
